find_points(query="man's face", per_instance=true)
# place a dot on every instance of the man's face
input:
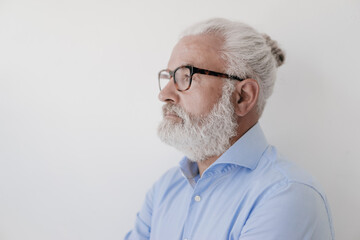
(200, 121)
(202, 51)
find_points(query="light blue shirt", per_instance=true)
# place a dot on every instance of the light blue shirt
(249, 192)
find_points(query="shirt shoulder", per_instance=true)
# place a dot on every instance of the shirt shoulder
(283, 185)
(275, 175)
(274, 169)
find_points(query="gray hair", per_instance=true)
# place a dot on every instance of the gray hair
(248, 54)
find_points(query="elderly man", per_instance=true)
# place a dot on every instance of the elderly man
(231, 184)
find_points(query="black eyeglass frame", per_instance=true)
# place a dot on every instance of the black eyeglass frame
(194, 70)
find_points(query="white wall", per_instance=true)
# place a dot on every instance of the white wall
(79, 108)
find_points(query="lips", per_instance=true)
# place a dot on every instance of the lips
(169, 113)
(172, 115)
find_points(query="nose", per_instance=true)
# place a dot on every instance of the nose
(169, 93)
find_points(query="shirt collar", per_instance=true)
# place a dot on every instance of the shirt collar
(188, 168)
(245, 152)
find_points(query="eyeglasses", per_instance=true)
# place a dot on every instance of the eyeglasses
(182, 76)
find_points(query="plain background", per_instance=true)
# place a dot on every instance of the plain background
(79, 107)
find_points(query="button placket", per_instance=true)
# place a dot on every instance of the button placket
(193, 208)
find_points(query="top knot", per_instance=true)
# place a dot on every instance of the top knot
(278, 54)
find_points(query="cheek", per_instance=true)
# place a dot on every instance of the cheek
(202, 103)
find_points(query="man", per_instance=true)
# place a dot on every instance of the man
(231, 184)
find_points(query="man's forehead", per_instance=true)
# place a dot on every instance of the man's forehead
(202, 51)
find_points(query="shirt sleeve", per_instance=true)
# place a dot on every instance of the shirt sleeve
(142, 228)
(292, 211)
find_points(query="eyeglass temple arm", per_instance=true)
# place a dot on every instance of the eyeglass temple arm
(217, 74)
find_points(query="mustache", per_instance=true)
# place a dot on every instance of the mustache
(170, 108)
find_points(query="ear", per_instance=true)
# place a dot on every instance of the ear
(247, 92)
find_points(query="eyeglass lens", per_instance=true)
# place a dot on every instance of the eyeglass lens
(182, 77)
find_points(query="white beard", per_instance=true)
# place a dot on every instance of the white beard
(201, 137)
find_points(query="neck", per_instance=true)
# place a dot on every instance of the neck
(203, 165)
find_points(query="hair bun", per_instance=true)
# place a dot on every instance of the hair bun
(278, 54)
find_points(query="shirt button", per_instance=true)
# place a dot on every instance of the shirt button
(197, 198)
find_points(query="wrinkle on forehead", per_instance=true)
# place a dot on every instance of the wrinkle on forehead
(203, 51)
